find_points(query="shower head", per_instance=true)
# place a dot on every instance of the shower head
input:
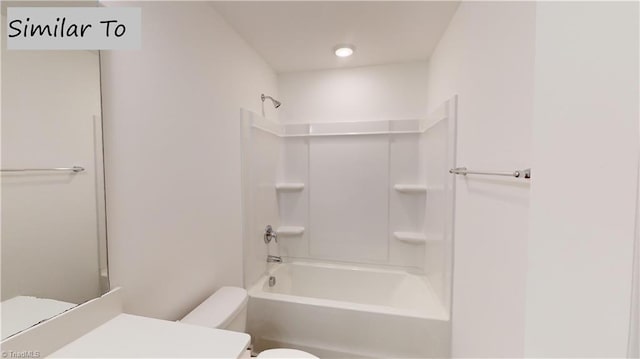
(276, 103)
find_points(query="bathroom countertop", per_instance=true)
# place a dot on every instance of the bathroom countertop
(134, 336)
(22, 312)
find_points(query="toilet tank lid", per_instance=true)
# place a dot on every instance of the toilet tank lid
(219, 309)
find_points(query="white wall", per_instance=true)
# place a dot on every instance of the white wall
(372, 93)
(584, 189)
(172, 140)
(50, 220)
(486, 57)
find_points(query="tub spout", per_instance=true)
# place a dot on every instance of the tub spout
(274, 259)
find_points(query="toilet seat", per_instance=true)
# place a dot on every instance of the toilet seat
(286, 353)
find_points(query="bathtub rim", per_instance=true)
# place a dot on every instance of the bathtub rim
(256, 291)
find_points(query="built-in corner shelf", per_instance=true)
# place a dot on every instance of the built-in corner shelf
(415, 237)
(289, 186)
(290, 231)
(410, 188)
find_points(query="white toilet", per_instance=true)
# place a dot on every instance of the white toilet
(227, 309)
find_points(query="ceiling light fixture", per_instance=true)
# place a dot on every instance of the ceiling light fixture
(344, 50)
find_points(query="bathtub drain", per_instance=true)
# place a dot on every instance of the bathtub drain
(272, 281)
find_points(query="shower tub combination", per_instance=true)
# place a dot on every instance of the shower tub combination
(343, 311)
(350, 285)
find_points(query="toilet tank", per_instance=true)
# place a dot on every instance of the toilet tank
(224, 309)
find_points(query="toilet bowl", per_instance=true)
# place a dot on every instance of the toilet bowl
(227, 309)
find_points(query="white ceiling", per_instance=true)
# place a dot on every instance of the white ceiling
(300, 36)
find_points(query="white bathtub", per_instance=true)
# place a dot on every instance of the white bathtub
(344, 311)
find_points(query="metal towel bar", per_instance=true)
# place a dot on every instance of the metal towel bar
(525, 173)
(74, 169)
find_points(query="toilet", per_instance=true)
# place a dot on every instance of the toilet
(227, 309)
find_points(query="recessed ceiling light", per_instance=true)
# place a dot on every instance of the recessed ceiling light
(344, 50)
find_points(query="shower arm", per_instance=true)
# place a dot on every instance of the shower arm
(275, 102)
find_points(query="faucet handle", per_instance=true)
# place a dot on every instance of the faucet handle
(270, 234)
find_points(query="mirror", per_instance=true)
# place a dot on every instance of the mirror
(53, 215)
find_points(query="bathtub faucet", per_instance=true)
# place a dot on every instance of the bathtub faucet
(274, 259)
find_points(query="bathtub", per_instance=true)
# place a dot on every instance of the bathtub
(343, 311)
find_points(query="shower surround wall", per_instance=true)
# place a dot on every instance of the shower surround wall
(344, 192)
(349, 208)
(353, 209)
(359, 204)
(359, 181)
(261, 148)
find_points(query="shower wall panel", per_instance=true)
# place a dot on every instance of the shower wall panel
(294, 205)
(406, 210)
(261, 157)
(349, 202)
(435, 162)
